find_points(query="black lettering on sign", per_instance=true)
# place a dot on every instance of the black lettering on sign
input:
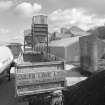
(40, 76)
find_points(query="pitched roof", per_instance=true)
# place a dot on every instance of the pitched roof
(64, 42)
(77, 31)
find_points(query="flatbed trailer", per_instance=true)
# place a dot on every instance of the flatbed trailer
(39, 81)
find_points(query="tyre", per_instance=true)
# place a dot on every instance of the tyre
(57, 98)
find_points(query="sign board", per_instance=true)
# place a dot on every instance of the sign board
(38, 79)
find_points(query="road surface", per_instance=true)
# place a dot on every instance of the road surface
(7, 93)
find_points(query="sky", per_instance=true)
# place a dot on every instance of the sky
(16, 15)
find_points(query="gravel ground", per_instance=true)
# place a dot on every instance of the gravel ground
(88, 92)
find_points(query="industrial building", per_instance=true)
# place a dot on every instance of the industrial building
(92, 53)
(66, 48)
(38, 33)
(72, 32)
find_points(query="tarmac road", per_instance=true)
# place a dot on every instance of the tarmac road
(7, 93)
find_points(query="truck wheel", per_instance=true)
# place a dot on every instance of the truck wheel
(57, 98)
(57, 101)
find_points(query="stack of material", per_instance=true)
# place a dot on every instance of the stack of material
(88, 92)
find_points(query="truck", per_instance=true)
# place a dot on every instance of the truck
(39, 75)
(6, 61)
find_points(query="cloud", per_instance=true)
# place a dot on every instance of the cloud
(79, 17)
(5, 5)
(94, 6)
(26, 9)
(10, 36)
(4, 31)
(4, 35)
(16, 39)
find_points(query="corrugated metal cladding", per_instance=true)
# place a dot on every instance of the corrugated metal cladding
(67, 48)
(92, 50)
(40, 19)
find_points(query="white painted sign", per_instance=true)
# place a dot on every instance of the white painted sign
(40, 77)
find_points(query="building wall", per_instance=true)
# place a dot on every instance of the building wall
(63, 30)
(58, 51)
(91, 51)
(73, 53)
(101, 48)
(87, 52)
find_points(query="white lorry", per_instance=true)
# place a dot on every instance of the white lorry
(6, 61)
